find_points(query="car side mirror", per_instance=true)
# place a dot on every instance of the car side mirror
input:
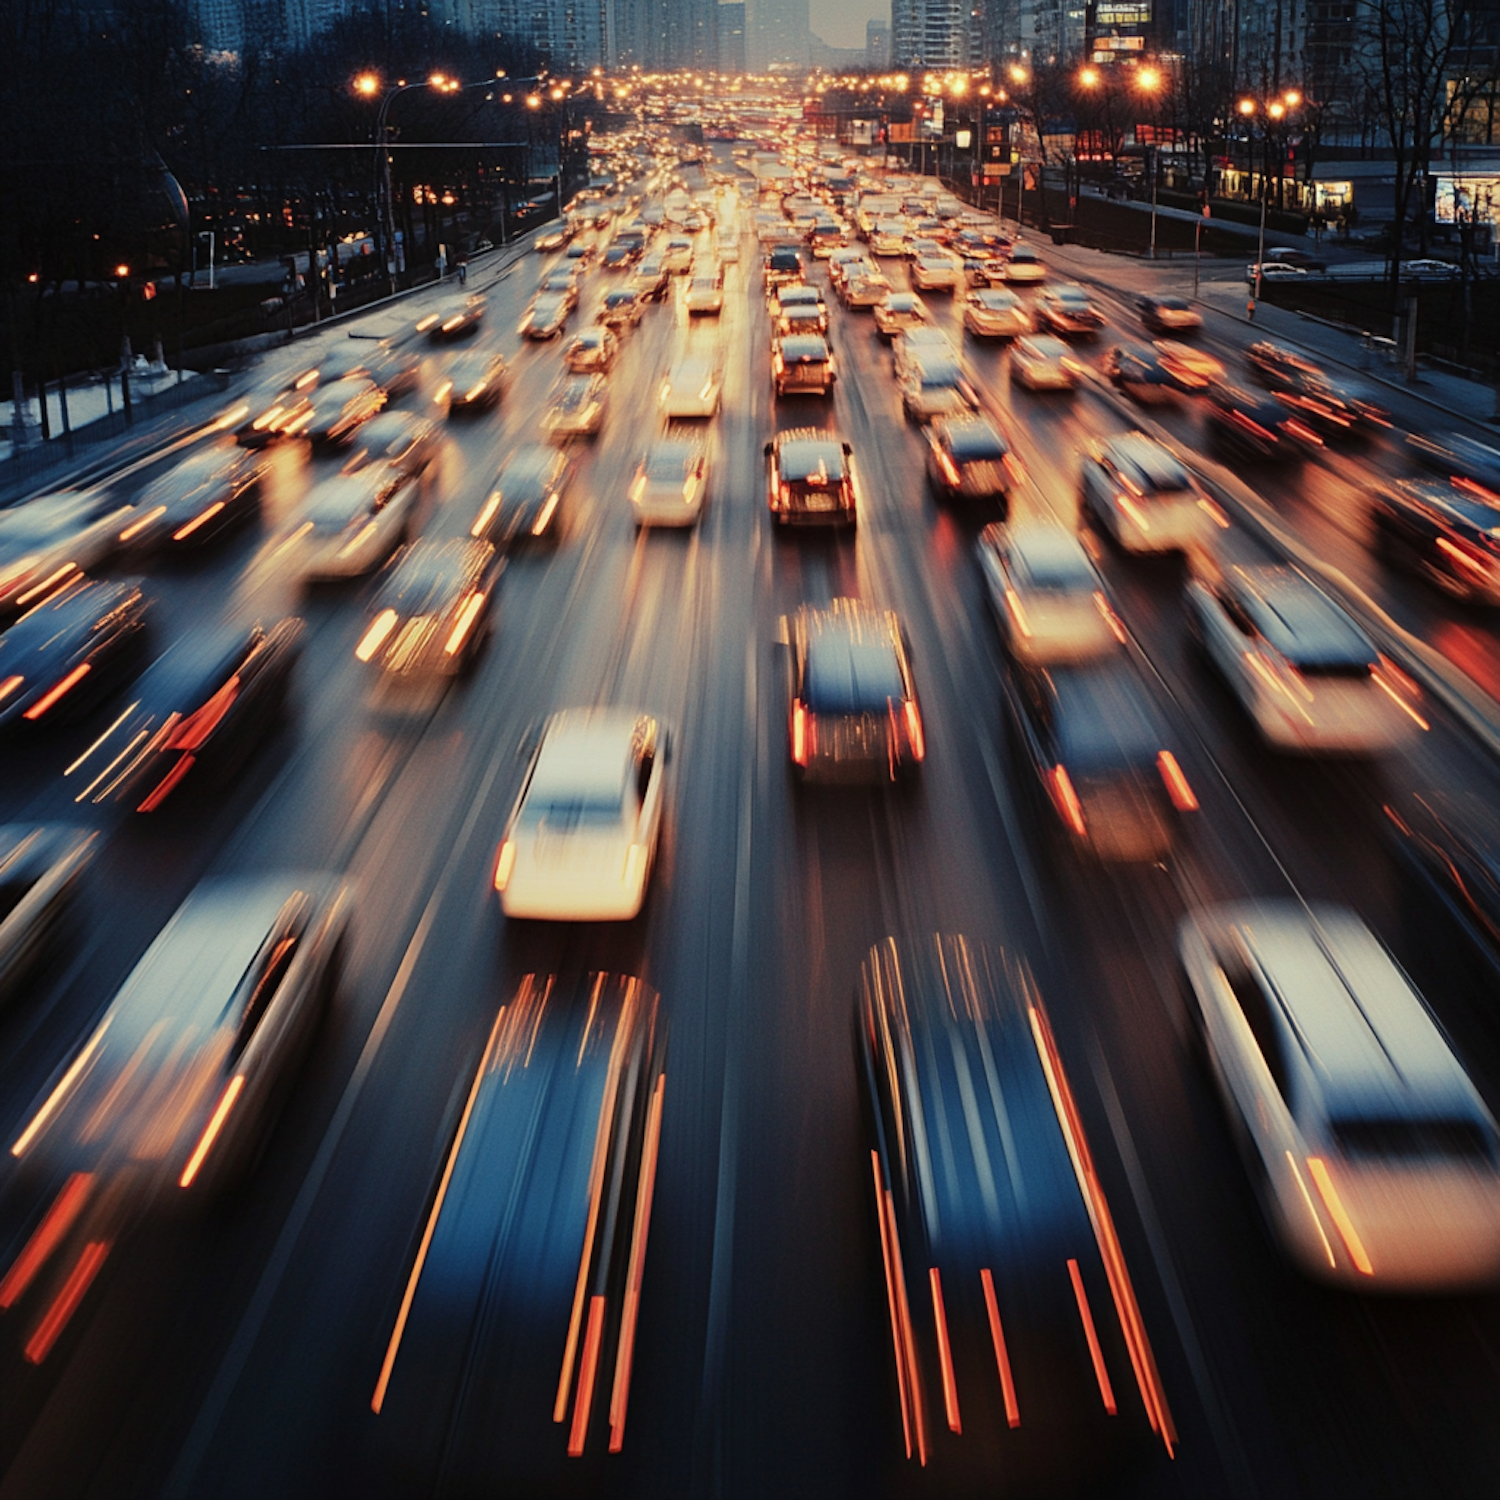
(848, 450)
(767, 449)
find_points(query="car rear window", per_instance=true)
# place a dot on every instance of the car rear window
(1420, 1138)
(1057, 572)
(851, 677)
(977, 443)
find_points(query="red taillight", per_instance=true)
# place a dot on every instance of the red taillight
(800, 733)
(914, 734)
(1069, 808)
(1176, 783)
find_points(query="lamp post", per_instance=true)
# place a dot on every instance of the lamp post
(1274, 110)
(1148, 81)
(367, 85)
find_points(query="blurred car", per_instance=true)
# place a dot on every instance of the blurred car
(842, 261)
(810, 479)
(802, 364)
(397, 368)
(1024, 268)
(801, 320)
(1193, 369)
(1101, 767)
(1047, 597)
(970, 459)
(458, 318)
(1041, 362)
(523, 501)
(1306, 674)
(1140, 372)
(616, 257)
(995, 313)
(912, 345)
(705, 294)
(1446, 530)
(177, 1085)
(278, 407)
(1280, 368)
(620, 308)
(693, 388)
(864, 289)
(576, 406)
(1251, 427)
(1011, 1307)
(562, 282)
(1431, 270)
(472, 382)
(553, 239)
(352, 522)
(899, 310)
(1169, 315)
(339, 410)
(670, 483)
(1274, 271)
(581, 843)
(1142, 497)
(72, 650)
(937, 386)
(591, 349)
(213, 490)
(936, 273)
(649, 279)
(1069, 312)
(783, 265)
(796, 298)
(1375, 1159)
(1290, 255)
(854, 714)
(546, 317)
(556, 1155)
(728, 252)
(1464, 458)
(435, 611)
(42, 866)
(405, 439)
(677, 255)
(47, 542)
(197, 714)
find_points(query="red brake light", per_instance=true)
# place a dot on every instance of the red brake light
(1176, 783)
(800, 732)
(1069, 808)
(914, 733)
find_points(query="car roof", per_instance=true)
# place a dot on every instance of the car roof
(430, 574)
(69, 615)
(996, 295)
(1456, 498)
(1364, 1034)
(1102, 717)
(1043, 544)
(1148, 461)
(200, 660)
(1046, 345)
(1298, 618)
(804, 346)
(585, 752)
(972, 431)
(342, 494)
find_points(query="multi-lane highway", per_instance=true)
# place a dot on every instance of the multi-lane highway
(235, 1352)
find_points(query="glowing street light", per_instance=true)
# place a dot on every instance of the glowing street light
(367, 84)
(1148, 79)
(1089, 78)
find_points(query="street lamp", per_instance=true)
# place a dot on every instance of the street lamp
(1275, 109)
(1149, 81)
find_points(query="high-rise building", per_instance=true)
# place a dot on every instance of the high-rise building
(877, 44)
(931, 33)
(732, 36)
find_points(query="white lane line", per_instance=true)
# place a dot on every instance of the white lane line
(180, 1483)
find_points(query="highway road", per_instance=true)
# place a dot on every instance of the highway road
(235, 1352)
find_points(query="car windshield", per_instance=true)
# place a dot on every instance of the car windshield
(812, 463)
(1101, 721)
(561, 809)
(669, 465)
(975, 444)
(851, 677)
(1053, 568)
(1400, 1139)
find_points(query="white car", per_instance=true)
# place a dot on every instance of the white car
(1048, 599)
(729, 253)
(581, 842)
(705, 294)
(677, 255)
(1044, 363)
(692, 388)
(926, 341)
(936, 273)
(1023, 267)
(1306, 674)
(1376, 1160)
(670, 484)
(352, 522)
(48, 541)
(995, 313)
(577, 406)
(1143, 497)
(899, 311)
(865, 289)
(1271, 271)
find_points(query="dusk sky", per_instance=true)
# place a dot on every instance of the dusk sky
(841, 23)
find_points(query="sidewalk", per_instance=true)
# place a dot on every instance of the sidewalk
(1223, 294)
